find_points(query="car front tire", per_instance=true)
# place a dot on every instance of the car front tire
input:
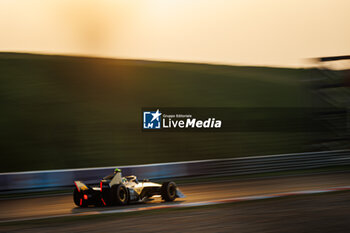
(168, 191)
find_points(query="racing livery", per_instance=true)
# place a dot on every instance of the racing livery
(117, 190)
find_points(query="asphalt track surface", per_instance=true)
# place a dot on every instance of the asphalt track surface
(16, 209)
(307, 213)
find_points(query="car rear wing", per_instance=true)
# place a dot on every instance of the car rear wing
(81, 186)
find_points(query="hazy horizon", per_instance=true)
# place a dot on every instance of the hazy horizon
(253, 32)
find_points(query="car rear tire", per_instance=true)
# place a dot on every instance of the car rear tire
(168, 191)
(78, 198)
(120, 195)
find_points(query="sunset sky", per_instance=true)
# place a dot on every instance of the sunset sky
(246, 32)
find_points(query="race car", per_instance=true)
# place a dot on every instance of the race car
(117, 190)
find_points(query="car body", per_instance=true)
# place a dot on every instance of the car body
(117, 190)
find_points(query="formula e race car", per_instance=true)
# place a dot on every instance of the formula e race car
(117, 190)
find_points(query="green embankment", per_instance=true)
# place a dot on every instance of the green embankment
(69, 112)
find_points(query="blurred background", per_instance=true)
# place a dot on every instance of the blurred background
(74, 76)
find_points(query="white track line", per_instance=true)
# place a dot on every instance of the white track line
(184, 205)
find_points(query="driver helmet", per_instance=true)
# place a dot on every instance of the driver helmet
(117, 170)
